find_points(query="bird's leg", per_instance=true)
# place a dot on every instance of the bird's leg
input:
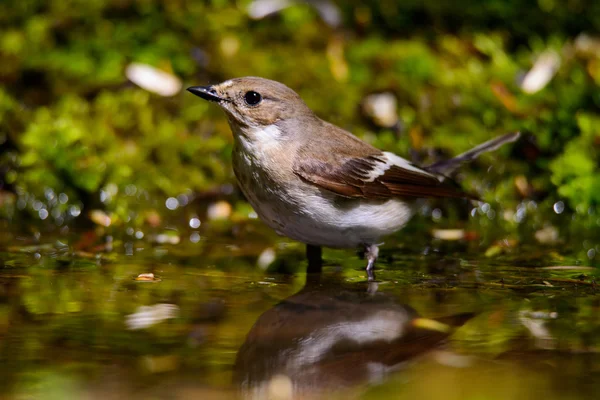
(371, 253)
(315, 260)
(372, 287)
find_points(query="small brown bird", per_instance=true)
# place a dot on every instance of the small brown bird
(317, 183)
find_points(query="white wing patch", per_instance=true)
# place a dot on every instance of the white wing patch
(390, 160)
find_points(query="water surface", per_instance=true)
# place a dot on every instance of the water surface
(230, 318)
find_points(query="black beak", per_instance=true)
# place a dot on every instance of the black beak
(206, 92)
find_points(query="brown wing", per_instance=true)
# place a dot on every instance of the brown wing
(338, 161)
(372, 177)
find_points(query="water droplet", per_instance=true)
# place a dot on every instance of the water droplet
(139, 235)
(520, 214)
(436, 214)
(195, 237)
(43, 213)
(591, 254)
(183, 200)
(172, 203)
(63, 198)
(194, 223)
(49, 194)
(559, 207)
(74, 211)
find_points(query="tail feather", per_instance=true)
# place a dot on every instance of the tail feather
(446, 167)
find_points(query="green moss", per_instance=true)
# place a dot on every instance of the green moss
(73, 123)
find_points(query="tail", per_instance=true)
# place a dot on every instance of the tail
(446, 167)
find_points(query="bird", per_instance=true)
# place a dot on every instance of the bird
(317, 183)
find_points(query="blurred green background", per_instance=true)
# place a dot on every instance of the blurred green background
(78, 133)
(117, 194)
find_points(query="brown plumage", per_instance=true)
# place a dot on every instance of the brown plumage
(350, 179)
(344, 165)
(317, 183)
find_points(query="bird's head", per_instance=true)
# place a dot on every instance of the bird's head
(254, 103)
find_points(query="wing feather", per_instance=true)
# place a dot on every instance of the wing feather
(375, 177)
(345, 165)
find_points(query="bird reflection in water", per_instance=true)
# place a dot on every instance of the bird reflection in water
(333, 335)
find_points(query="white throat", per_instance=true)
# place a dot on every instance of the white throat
(259, 139)
(267, 134)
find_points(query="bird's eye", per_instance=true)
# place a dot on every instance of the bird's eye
(252, 98)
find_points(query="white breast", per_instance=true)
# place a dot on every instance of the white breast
(327, 220)
(301, 210)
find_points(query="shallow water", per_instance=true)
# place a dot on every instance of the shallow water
(83, 319)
